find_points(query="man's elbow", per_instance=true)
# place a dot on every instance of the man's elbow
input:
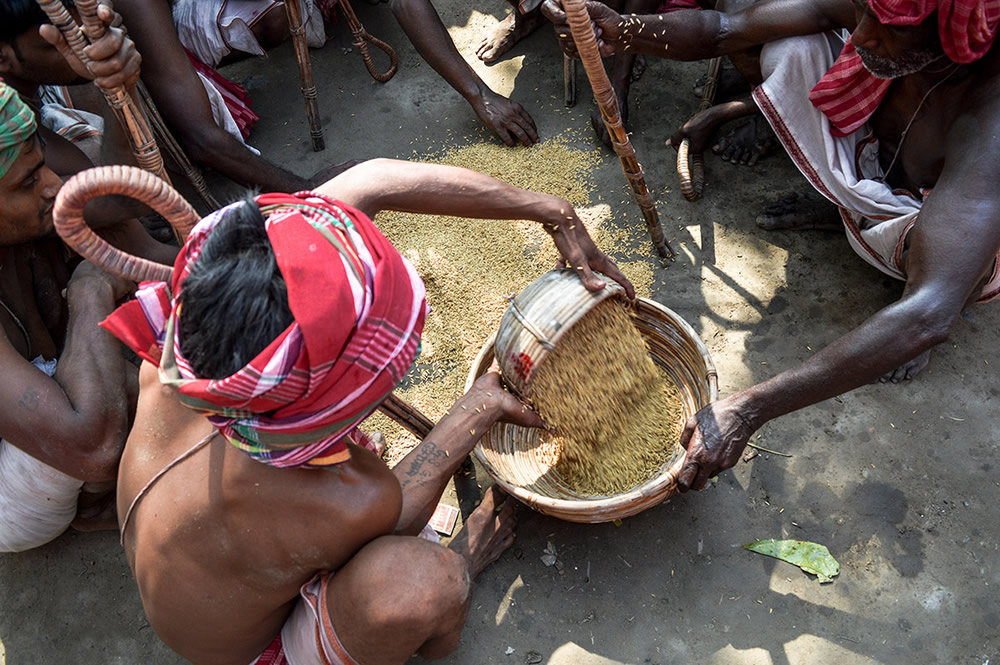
(95, 457)
(206, 143)
(933, 325)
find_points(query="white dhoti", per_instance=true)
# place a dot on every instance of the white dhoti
(37, 502)
(212, 29)
(844, 170)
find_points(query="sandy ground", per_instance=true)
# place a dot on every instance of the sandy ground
(899, 481)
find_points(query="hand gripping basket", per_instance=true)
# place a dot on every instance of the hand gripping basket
(532, 325)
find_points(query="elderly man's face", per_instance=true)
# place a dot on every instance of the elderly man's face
(890, 51)
(28, 192)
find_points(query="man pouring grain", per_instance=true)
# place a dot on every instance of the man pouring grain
(259, 525)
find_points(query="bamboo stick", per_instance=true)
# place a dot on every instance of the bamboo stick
(171, 146)
(298, 32)
(361, 39)
(691, 168)
(140, 137)
(607, 102)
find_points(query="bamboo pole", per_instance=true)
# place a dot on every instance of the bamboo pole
(607, 101)
(361, 39)
(140, 137)
(691, 168)
(298, 32)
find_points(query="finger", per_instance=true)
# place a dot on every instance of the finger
(552, 11)
(704, 475)
(516, 130)
(560, 264)
(591, 281)
(689, 428)
(526, 417)
(687, 476)
(611, 270)
(528, 124)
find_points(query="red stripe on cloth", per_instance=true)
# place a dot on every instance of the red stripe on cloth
(235, 96)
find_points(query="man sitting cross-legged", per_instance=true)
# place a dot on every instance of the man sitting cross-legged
(289, 319)
(64, 398)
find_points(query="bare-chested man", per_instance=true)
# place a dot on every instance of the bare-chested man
(63, 398)
(287, 334)
(910, 105)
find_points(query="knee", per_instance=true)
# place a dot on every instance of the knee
(430, 589)
(272, 28)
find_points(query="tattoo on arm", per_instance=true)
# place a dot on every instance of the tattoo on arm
(427, 457)
(29, 400)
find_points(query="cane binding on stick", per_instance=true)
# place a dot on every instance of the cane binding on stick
(691, 168)
(140, 137)
(298, 32)
(67, 215)
(607, 101)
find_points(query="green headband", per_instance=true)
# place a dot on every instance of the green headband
(17, 124)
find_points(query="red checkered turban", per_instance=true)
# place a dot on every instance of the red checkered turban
(359, 310)
(849, 94)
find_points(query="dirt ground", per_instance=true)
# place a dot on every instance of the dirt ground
(897, 480)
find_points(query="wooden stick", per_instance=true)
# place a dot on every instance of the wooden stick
(140, 137)
(171, 146)
(691, 168)
(361, 39)
(569, 80)
(298, 33)
(407, 415)
(607, 101)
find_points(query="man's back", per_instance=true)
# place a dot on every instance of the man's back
(220, 544)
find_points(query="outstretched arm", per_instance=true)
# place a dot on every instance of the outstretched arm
(181, 99)
(387, 184)
(693, 34)
(77, 420)
(426, 470)
(427, 33)
(953, 250)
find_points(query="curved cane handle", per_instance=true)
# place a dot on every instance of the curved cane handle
(126, 181)
(359, 41)
(684, 175)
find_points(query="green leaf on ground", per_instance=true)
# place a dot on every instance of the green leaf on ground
(810, 557)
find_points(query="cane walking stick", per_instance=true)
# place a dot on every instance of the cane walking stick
(607, 101)
(691, 168)
(136, 128)
(298, 32)
(361, 40)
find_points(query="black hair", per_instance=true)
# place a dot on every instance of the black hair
(19, 16)
(234, 302)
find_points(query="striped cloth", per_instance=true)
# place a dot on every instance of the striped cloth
(17, 124)
(849, 94)
(359, 311)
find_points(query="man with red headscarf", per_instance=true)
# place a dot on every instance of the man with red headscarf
(909, 104)
(258, 523)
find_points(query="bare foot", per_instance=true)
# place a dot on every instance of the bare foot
(487, 532)
(797, 212)
(508, 32)
(747, 143)
(907, 370)
(508, 119)
(96, 511)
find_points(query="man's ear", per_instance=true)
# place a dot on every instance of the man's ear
(8, 58)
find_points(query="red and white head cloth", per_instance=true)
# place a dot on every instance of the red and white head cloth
(359, 310)
(849, 94)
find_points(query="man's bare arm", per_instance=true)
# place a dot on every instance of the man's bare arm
(181, 99)
(426, 470)
(702, 34)
(423, 26)
(953, 249)
(386, 184)
(77, 420)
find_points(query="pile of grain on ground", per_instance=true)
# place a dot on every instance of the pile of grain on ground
(617, 416)
(470, 266)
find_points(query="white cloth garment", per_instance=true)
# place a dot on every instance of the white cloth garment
(211, 29)
(844, 170)
(37, 502)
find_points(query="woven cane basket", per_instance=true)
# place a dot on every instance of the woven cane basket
(510, 453)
